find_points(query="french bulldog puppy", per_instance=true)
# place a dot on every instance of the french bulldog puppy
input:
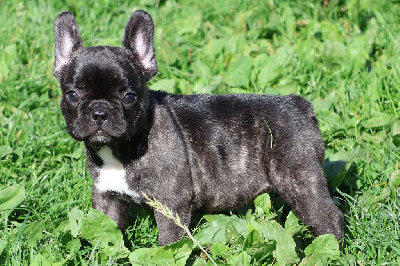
(193, 153)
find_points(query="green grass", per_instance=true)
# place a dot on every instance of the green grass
(345, 58)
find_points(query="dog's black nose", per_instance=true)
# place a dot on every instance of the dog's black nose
(99, 116)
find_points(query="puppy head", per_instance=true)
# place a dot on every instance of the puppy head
(104, 91)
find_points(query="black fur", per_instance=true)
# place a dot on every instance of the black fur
(191, 152)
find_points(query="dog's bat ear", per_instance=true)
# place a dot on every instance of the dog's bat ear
(68, 40)
(138, 38)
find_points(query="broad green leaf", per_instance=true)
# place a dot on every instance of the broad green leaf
(216, 229)
(256, 246)
(238, 73)
(214, 46)
(152, 256)
(396, 128)
(289, 17)
(288, 86)
(377, 121)
(324, 244)
(20, 152)
(7, 56)
(188, 25)
(218, 249)
(326, 103)
(356, 7)
(40, 260)
(61, 262)
(269, 74)
(358, 51)
(308, 51)
(148, 2)
(74, 245)
(213, 217)
(181, 250)
(67, 240)
(333, 168)
(330, 121)
(338, 165)
(265, 227)
(275, 66)
(324, 31)
(75, 217)
(5, 150)
(285, 252)
(101, 231)
(395, 178)
(285, 246)
(335, 55)
(34, 233)
(232, 235)
(237, 90)
(260, 61)
(263, 204)
(214, 232)
(201, 262)
(62, 227)
(321, 251)
(11, 52)
(396, 133)
(201, 70)
(206, 85)
(240, 224)
(262, 250)
(76, 154)
(240, 259)
(167, 85)
(236, 44)
(11, 197)
(271, 90)
(251, 239)
(292, 223)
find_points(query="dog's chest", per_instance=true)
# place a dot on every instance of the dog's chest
(112, 176)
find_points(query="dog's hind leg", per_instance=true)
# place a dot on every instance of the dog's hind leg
(303, 187)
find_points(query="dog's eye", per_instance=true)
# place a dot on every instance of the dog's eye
(129, 98)
(72, 96)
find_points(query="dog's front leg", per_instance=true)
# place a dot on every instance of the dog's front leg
(168, 231)
(111, 205)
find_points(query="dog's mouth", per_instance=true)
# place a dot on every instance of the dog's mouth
(100, 137)
(88, 131)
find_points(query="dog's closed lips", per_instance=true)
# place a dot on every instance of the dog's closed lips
(193, 153)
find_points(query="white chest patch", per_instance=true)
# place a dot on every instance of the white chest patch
(112, 176)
